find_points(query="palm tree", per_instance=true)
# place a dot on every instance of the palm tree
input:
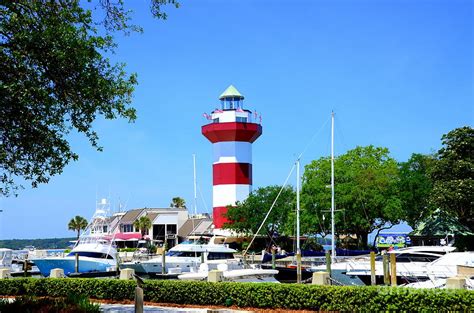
(76, 224)
(178, 202)
(143, 223)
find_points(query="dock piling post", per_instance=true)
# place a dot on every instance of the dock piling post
(298, 267)
(328, 263)
(138, 300)
(76, 264)
(25, 267)
(393, 269)
(273, 258)
(386, 272)
(163, 260)
(373, 281)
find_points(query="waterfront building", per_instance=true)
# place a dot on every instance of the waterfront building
(232, 130)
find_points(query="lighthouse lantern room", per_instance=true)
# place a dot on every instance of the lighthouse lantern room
(232, 131)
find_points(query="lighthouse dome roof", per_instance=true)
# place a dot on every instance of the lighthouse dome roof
(231, 91)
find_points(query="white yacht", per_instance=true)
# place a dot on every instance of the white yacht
(449, 265)
(411, 264)
(6, 258)
(184, 256)
(94, 249)
(240, 274)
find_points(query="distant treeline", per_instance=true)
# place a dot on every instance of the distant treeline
(50, 243)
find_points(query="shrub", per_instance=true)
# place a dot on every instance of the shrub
(263, 295)
(72, 303)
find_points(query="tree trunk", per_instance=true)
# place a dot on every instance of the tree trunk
(78, 234)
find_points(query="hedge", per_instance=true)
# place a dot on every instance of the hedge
(261, 295)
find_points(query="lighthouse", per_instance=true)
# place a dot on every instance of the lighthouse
(232, 131)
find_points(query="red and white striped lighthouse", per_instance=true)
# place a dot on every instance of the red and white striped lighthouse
(232, 132)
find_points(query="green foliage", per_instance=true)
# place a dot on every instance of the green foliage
(415, 186)
(127, 249)
(264, 295)
(366, 192)
(77, 223)
(453, 176)
(50, 243)
(247, 216)
(72, 303)
(143, 224)
(56, 78)
(178, 202)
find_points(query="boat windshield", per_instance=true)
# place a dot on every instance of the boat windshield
(409, 257)
(220, 255)
(184, 254)
(96, 255)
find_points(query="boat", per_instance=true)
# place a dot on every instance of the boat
(6, 258)
(453, 264)
(242, 274)
(185, 256)
(411, 264)
(94, 249)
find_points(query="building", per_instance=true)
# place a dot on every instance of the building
(232, 131)
(165, 225)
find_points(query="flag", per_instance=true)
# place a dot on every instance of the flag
(218, 111)
(239, 110)
(205, 115)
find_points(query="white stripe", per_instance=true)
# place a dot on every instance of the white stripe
(223, 195)
(232, 152)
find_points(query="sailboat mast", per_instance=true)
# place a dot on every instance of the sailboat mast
(298, 206)
(333, 248)
(298, 249)
(195, 193)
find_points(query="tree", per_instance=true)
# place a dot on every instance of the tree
(55, 79)
(415, 186)
(247, 216)
(366, 192)
(143, 224)
(453, 175)
(77, 223)
(178, 202)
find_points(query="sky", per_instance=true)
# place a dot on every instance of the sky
(397, 74)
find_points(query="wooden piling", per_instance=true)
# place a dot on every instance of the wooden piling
(163, 261)
(76, 263)
(298, 267)
(393, 269)
(138, 300)
(373, 280)
(328, 262)
(273, 259)
(386, 271)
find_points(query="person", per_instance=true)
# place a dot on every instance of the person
(390, 248)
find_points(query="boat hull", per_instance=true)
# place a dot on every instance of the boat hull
(67, 264)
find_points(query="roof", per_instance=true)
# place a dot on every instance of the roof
(152, 215)
(130, 216)
(231, 91)
(195, 226)
(441, 224)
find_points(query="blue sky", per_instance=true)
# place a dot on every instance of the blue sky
(398, 74)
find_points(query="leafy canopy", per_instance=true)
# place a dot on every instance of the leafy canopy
(366, 192)
(77, 224)
(143, 224)
(247, 216)
(453, 175)
(55, 79)
(415, 187)
(178, 202)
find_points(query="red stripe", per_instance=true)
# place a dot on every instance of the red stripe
(232, 173)
(216, 132)
(218, 216)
